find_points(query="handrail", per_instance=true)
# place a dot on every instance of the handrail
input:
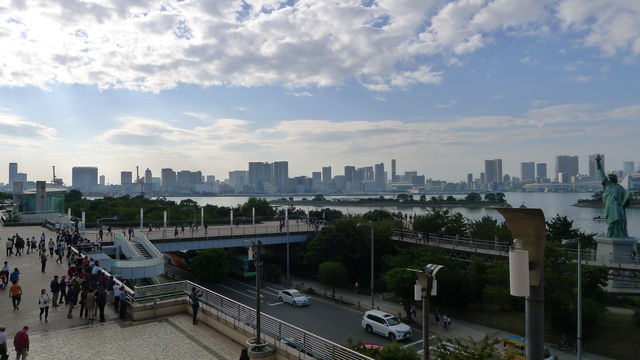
(134, 254)
(283, 334)
(141, 239)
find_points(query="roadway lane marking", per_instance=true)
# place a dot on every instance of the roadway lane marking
(418, 342)
(253, 292)
(236, 291)
(252, 287)
(278, 303)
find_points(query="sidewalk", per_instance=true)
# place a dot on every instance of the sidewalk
(459, 328)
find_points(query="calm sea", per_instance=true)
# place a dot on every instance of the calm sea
(550, 203)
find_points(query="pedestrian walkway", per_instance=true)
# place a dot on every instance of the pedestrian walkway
(62, 338)
(459, 329)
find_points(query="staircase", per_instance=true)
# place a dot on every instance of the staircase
(142, 250)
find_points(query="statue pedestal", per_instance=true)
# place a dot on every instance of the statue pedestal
(613, 251)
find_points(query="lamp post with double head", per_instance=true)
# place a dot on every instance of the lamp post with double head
(426, 285)
(370, 224)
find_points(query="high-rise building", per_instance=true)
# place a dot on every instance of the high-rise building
(316, 180)
(394, 177)
(493, 170)
(593, 167)
(188, 178)
(541, 170)
(237, 179)
(483, 178)
(13, 171)
(281, 176)
(408, 176)
(126, 178)
(211, 179)
(102, 180)
(260, 173)
(326, 174)
(148, 178)
(380, 179)
(628, 167)
(528, 172)
(349, 171)
(84, 178)
(469, 180)
(168, 179)
(567, 165)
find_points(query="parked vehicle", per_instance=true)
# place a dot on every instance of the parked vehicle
(382, 323)
(293, 297)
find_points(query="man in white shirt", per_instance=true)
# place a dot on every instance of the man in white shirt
(9, 247)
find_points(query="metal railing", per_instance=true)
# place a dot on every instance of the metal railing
(276, 332)
(501, 248)
(127, 289)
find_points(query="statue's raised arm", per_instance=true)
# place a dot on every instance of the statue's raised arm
(605, 179)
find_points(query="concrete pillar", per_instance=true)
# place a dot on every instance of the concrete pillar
(41, 197)
(83, 223)
(202, 217)
(164, 231)
(141, 218)
(69, 213)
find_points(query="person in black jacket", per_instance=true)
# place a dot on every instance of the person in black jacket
(101, 300)
(55, 290)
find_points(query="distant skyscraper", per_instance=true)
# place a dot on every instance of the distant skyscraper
(394, 177)
(326, 178)
(13, 171)
(493, 170)
(628, 167)
(126, 178)
(483, 178)
(349, 171)
(593, 169)
(567, 165)
(260, 173)
(381, 181)
(148, 178)
(168, 179)
(237, 179)
(102, 180)
(84, 178)
(541, 170)
(527, 172)
(316, 181)
(211, 179)
(281, 175)
(469, 180)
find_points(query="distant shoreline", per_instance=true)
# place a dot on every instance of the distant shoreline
(598, 204)
(388, 203)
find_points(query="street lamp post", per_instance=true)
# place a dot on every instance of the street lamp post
(370, 224)
(426, 286)
(579, 339)
(258, 346)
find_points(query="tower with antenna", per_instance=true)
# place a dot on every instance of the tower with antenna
(56, 181)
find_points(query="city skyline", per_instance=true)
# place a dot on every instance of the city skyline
(440, 86)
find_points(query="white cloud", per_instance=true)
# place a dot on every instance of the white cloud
(15, 130)
(301, 93)
(583, 78)
(152, 45)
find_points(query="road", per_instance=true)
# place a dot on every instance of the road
(325, 318)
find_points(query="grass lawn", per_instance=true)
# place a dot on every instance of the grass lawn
(618, 338)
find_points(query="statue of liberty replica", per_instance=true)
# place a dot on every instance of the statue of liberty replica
(615, 199)
(616, 247)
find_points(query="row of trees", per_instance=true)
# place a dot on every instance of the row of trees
(127, 209)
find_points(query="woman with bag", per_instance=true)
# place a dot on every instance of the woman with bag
(44, 302)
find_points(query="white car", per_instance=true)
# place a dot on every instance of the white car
(293, 297)
(382, 323)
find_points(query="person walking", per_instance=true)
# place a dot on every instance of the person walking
(59, 252)
(15, 293)
(123, 303)
(195, 303)
(63, 290)
(90, 302)
(71, 300)
(244, 354)
(15, 275)
(55, 290)
(44, 302)
(9, 247)
(43, 260)
(101, 301)
(52, 245)
(21, 343)
(3, 344)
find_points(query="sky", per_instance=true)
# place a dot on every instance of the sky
(211, 85)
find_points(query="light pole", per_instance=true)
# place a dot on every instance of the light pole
(426, 285)
(579, 339)
(286, 219)
(258, 346)
(370, 224)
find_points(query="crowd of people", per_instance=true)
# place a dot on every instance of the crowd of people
(84, 284)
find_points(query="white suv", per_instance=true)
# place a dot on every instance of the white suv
(380, 322)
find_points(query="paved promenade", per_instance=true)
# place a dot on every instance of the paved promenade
(62, 338)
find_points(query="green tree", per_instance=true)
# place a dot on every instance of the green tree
(262, 206)
(332, 273)
(455, 349)
(488, 228)
(473, 197)
(318, 197)
(211, 265)
(401, 282)
(490, 197)
(72, 195)
(396, 351)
